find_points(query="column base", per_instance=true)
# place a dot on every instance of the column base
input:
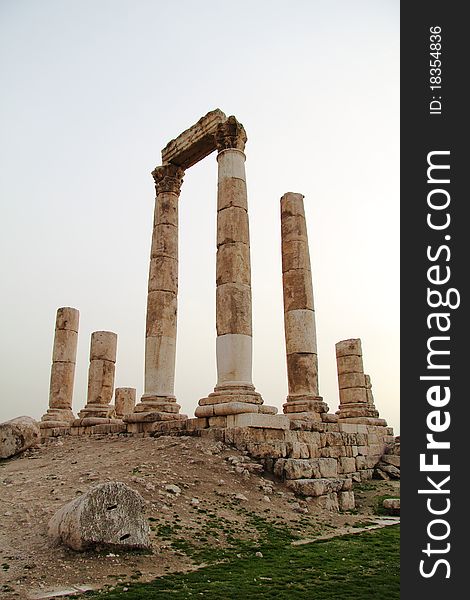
(305, 407)
(57, 417)
(356, 410)
(232, 400)
(155, 408)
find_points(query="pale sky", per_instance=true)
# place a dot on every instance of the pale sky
(92, 90)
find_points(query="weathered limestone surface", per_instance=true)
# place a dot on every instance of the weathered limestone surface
(109, 514)
(98, 409)
(234, 388)
(158, 400)
(17, 435)
(124, 401)
(355, 388)
(194, 143)
(303, 401)
(59, 413)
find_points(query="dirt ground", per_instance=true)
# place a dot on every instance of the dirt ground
(209, 475)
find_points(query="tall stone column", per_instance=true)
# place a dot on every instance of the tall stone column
(303, 400)
(356, 402)
(158, 401)
(59, 413)
(233, 280)
(98, 409)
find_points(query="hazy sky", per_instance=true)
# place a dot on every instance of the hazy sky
(92, 90)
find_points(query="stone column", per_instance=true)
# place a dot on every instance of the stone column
(64, 354)
(233, 280)
(158, 401)
(124, 401)
(303, 400)
(355, 395)
(98, 409)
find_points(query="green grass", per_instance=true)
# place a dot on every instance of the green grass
(364, 566)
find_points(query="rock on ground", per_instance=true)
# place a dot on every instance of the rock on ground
(17, 435)
(109, 514)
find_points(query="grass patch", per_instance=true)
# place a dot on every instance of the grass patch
(357, 567)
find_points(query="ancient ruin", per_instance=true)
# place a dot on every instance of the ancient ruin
(319, 454)
(64, 354)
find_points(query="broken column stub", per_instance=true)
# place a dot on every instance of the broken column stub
(59, 413)
(303, 400)
(109, 514)
(234, 389)
(158, 402)
(356, 404)
(98, 409)
(124, 402)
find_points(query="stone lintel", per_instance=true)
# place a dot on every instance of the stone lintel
(195, 143)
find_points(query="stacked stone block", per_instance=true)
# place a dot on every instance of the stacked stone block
(355, 393)
(98, 409)
(59, 413)
(318, 460)
(303, 400)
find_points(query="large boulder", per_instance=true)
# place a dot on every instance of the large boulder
(108, 514)
(18, 435)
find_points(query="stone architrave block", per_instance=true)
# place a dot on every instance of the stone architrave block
(109, 514)
(196, 142)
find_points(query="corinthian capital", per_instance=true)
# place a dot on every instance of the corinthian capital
(230, 134)
(168, 178)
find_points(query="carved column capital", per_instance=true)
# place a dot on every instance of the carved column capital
(230, 134)
(168, 178)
